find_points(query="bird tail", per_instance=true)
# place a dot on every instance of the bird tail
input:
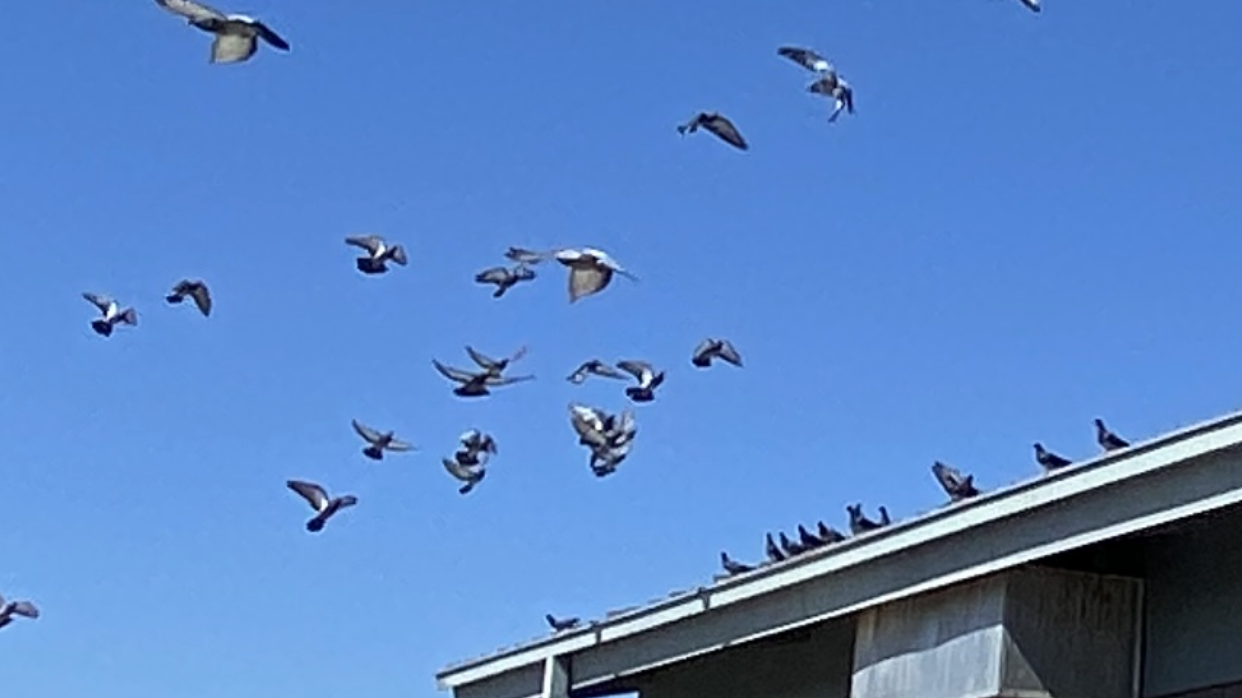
(398, 255)
(129, 316)
(174, 298)
(102, 327)
(683, 128)
(315, 525)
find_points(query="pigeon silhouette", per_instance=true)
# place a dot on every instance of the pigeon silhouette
(828, 534)
(12, 609)
(718, 125)
(111, 314)
(773, 551)
(378, 441)
(195, 290)
(859, 523)
(469, 475)
(807, 58)
(648, 380)
(710, 349)
(504, 278)
(956, 485)
(475, 384)
(1108, 440)
(733, 566)
(590, 271)
(1048, 459)
(236, 36)
(561, 624)
(594, 367)
(379, 253)
(325, 507)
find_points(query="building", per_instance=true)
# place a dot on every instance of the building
(1117, 577)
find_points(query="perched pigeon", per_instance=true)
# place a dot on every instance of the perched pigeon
(1032, 5)
(524, 256)
(504, 278)
(648, 380)
(560, 625)
(112, 314)
(861, 524)
(1107, 439)
(196, 290)
(590, 270)
(475, 449)
(236, 35)
(710, 349)
(494, 367)
(718, 125)
(733, 566)
(594, 367)
(774, 553)
(956, 485)
(475, 384)
(828, 534)
(835, 86)
(471, 475)
(8, 610)
(807, 58)
(1048, 459)
(809, 540)
(791, 547)
(379, 253)
(378, 441)
(325, 507)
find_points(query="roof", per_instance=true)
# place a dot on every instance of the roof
(1113, 494)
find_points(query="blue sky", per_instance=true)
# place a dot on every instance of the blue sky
(1031, 221)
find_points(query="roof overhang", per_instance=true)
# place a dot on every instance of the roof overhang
(1183, 474)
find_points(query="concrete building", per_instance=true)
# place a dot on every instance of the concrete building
(1118, 577)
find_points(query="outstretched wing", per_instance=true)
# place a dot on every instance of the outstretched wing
(728, 353)
(727, 132)
(202, 297)
(25, 609)
(453, 374)
(495, 275)
(366, 432)
(193, 11)
(99, 300)
(638, 369)
(271, 37)
(312, 493)
(398, 445)
(522, 255)
(508, 380)
(483, 360)
(459, 471)
(806, 58)
(370, 243)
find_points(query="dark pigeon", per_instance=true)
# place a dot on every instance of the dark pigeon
(1048, 459)
(648, 380)
(710, 349)
(718, 125)
(828, 534)
(561, 624)
(325, 507)
(859, 523)
(1108, 440)
(956, 485)
(195, 290)
(505, 278)
(733, 566)
(773, 551)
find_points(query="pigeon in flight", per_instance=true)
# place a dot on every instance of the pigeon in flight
(1048, 459)
(807, 58)
(719, 125)
(956, 485)
(236, 35)
(828, 534)
(610, 437)
(1032, 5)
(475, 384)
(1108, 440)
(859, 523)
(590, 271)
(379, 441)
(733, 566)
(648, 380)
(379, 253)
(24, 609)
(561, 624)
(523, 256)
(471, 475)
(594, 367)
(505, 278)
(112, 315)
(476, 448)
(710, 349)
(195, 290)
(494, 367)
(325, 507)
(833, 85)
(773, 551)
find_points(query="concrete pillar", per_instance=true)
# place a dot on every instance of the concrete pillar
(1031, 632)
(555, 678)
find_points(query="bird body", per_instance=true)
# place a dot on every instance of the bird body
(711, 348)
(648, 380)
(471, 475)
(196, 290)
(560, 625)
(475, 384)
(733, 566)
(718, 125)
(379, 253)
(609, 437)
(1048, 459)
(325, 507)
(1107, 439)
(828, 534)
(505, 278)
(476, 448)
(111, 314)
(236, 35)
(954, 483)
(834, 86)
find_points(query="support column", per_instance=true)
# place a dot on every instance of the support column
(555, 678)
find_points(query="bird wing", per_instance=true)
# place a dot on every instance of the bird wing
(347, 500)
(271, 37)
(459, 471)
(641, 370)
(600, 368)
(370, 243)
(494, 275)
(453, 374)
(804, 57)
(99, 300)
(202, 297)
(729, 353)
(232, 48)
(950, 478)
(399, 445)
(312, 493)
(483, 360)
(507, 380)
(1032, 5)
(525, 256)
(25, 609)
(366, 432)
(706, 348)
(727, 132)
(193, 11)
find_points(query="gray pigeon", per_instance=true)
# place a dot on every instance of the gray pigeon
(590, 271)
(1108, 440)
(835, 86)
(733, 566)
(236, 36)
(809, 540)
(494, 367)
(1048, 459)
(861, 524)
(791, 547)
(594, 367)
(378, 441)
(112, 315)
(10, 609)
(475, 384)
(710, 349)
(476, 448)
(524, 256)
(955, 484)
(717, 124)
(196, 290)
(379, 253)
(471, 475)
(648, 380)
(774, 553)
(807, 58)
(504, 278)
(560, 625)
(609, 437)
(325, 507)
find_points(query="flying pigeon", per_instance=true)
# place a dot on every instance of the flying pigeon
(833, 85)
(325, 507)
(1032, 5)
(594, 367)
(471, 475)
(475, 449)
(807, 58)
(773, 551)
(559, 625)
(1048, 459)
(590, 270)
(505, 278)
(648, 380)
(733, 566)
(791, 547)
(112, 315)
(1107, 439)
(196, 291)
(475, 384)
(378, 441)
(379, 253)
(956, 485)
(609, 437)
(828, 534)
(494, 367)
(718, 125)
(523, 256)
(861, 524)
(710, 349)
(8, 610)
(236, 35)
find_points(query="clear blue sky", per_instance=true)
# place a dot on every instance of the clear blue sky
(1031, 221)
